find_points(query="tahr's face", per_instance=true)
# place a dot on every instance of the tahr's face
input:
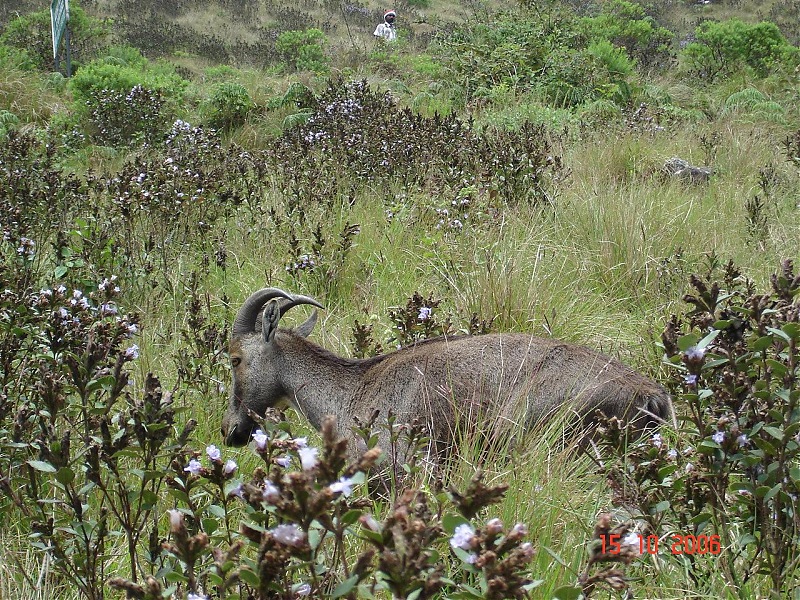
(254, 387)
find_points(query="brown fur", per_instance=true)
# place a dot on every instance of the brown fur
(485, 381)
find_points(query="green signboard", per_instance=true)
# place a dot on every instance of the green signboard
(59, 16)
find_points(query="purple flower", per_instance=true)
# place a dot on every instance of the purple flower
(718, 437)
(672, 454)
(270, 493)
(132, 353)
(743, 440)
(527, 550)
(193, 596)
(303, 589)
(463, 537)
(288, 534)
(308, 458)
(519, 530)
(284, 461)
(695, 353)
(300, 442)
(657, 441)
(260, 438)
(229, 467)
(424, 313)
(107, 308)
(213, 453)
(494, 526)
(237, 490)
(690, 379)
(193, 467)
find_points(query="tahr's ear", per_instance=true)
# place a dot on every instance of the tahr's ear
(269, 322)
(306, 328)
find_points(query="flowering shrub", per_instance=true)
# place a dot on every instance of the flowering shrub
(358, 136)
(734, 468)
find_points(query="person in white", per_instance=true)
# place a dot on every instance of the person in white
(386, 29)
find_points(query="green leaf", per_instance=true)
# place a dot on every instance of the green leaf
(746, 540)
(41, 465)
(567, 592)
(450, 522)
(217, 511)
(345, 587)
(65, 476)
(660, 507)
(707, 340)
(772, 492)
(792, 330)
(350, 517)
(762, 343)
(780, 334)
(210, 526)
(687, 341)
(775, 432)
(556, 556)
(249, 578)
(794, 473)
(60, 271)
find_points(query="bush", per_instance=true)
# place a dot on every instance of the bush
(627, 25)
(31, 34)
(303, 50)
(228, 106)
(125, 103)
(733, 470)
(725, 48)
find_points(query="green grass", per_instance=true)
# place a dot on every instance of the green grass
(605, 265)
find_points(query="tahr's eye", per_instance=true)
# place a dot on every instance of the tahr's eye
(236, 361)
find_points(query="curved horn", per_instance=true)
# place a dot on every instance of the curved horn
(245, 321)
(298, 299)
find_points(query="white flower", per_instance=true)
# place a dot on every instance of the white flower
(743, 440)
(175, 519)
(695, 353)
(229, 467)
(631, 540)
(463, 537)
(718, 437)
(213, 453)
(518, 530)
(284, 461)
(300, 442)
(270, 493)
(193, 596)
(344, 485)
(132, 353)
(288, 534)
(689, 467)
(308, 458)
(672, 454)
(193, 467)
(260, 438)
(424, 313)
(303, 589)
(657, 441)
(471, 558)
